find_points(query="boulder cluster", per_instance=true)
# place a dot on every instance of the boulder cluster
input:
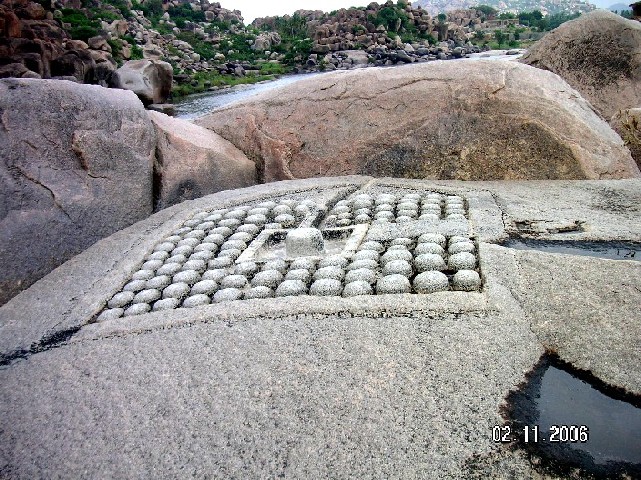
(167, 46)
(79, 162)
(36, 41)
(382, 56)
(338, 36)
(34, 45)
(362, 28)
(355, 26)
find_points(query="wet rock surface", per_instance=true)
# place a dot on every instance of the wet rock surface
(306, 366)
(574, 422)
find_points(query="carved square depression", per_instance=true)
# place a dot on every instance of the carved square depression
(292, 247)
(312, 243)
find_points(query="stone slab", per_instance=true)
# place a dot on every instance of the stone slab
(81, 283)
(401, 386)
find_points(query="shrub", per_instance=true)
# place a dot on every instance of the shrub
(163, 28)
(214, 79)
(272, 69)
(136, 52)
(122, 6)
(151, 8)
(486, 9)
(185, 13)
(116, 47)
(388, 17)
(83, 32)
(202, 48)
(219, 26)
(82, 28)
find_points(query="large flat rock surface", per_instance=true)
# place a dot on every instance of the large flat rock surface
(472, 120)
(394, 385)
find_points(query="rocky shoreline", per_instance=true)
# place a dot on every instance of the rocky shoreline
(204, 45)
(522, 123)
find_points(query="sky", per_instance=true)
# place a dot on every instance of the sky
(266, 8)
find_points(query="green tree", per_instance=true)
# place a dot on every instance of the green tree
(531, 19)
(486, 9)
(387, 16)
(557, 19)
(544, 24)
(185, 13)
(499, 36)
(151, 8)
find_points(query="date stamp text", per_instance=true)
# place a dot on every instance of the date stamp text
(533, 434)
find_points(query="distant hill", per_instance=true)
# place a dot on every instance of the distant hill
(618, 7)
(514, 6)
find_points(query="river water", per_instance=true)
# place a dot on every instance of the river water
(199, 104)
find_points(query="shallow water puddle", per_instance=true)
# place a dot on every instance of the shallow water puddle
(573, 420)
(608, 250)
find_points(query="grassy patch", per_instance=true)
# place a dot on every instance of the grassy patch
(241, 45)
(82, 28)
(212, 79)
(116, 47)
(136, 52)
(184, 13)
(273, 69)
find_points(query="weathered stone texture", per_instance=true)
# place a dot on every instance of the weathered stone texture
(193, 161)
(627, 123)
(149, 79)
(598, 54)
(75, 166)
(473, 120)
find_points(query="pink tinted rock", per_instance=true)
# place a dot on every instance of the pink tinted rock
(193, 161)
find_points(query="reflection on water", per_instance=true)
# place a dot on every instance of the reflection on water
(581, 422)
(611, 250)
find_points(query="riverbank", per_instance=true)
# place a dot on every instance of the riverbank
(193, 106)
(199, 103)
(343, 60)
